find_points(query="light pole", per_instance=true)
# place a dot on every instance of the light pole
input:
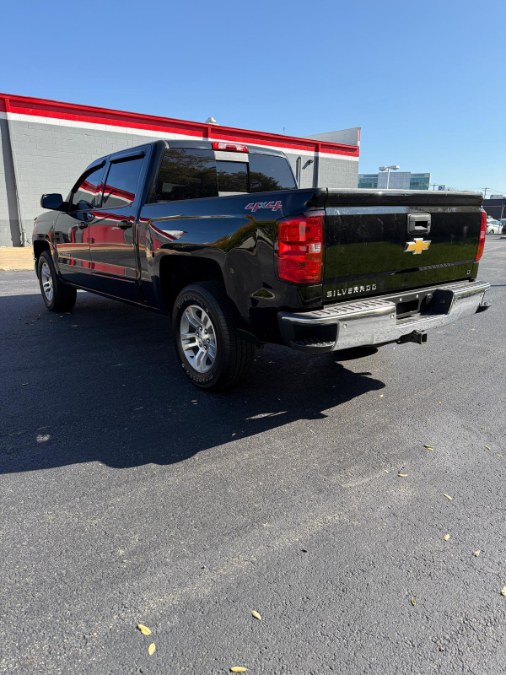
(392, 167)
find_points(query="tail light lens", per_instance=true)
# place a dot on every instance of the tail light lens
(300, 248)
(483, 232)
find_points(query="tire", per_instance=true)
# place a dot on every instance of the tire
(214, 354)
(57, 296)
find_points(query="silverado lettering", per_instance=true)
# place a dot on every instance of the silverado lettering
(339, 292)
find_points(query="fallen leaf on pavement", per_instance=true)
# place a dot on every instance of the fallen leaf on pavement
(448, 497)
(402, 475)
(152, 649)
(143, 629)
(256, 615)
(503, 590)
(238, 669)
(477, 553)
(413, 602)
(446, 537)
(428, 447)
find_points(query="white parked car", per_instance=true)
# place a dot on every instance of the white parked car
(493, 226)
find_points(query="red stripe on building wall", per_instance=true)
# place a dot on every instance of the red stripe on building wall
(25, 105)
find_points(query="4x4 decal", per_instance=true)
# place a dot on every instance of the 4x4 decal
(255, 206)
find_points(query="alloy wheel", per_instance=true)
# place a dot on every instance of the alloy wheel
(46, 280)
(198, 338)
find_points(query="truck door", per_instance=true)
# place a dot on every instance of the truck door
(71, 227)
(113, 229)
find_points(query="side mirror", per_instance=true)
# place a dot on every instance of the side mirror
(53, 201)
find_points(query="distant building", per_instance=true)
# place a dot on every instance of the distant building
(368, 180)
(419, 181)
(399, 180)
(495, 206)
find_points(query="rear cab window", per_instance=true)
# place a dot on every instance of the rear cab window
(270, 172)
(192, 173)
(253, 172)
(232, 177)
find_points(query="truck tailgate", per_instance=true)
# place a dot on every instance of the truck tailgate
(383, 242)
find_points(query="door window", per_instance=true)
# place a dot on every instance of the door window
(122, 182)
(88, 194)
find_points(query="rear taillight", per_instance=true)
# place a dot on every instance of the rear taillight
(300, 248)
(483, 232)
(229, 147)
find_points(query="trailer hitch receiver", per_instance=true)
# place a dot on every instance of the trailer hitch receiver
(418, 336)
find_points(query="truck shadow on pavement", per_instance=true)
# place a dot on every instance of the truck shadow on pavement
(103, 384)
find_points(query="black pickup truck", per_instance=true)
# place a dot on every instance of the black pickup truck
(218, 235)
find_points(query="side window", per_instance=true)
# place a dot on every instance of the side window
(185, 173)
(269, 172)
(122, 181)
(89, 191)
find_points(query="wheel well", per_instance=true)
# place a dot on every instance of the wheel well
(176, 272)
(38, 247)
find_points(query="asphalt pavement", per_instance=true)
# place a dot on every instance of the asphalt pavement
(307, 495)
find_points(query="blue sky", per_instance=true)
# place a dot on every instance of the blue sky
(425, 80)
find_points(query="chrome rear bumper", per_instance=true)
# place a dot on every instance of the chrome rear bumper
(377, 321)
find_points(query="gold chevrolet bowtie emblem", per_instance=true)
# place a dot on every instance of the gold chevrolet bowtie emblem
(417, 246)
